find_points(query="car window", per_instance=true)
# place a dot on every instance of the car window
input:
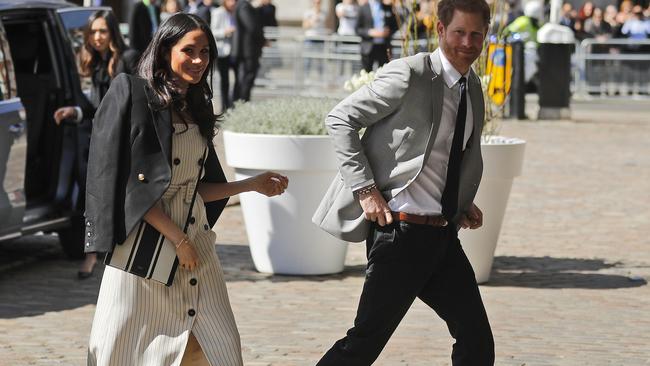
(7, 78)
(75, 20)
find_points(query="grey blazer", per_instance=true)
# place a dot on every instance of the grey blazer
(401, 110)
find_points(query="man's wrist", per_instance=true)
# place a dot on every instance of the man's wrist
(363, 191)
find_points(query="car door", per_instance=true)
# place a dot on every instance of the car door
(13, 146)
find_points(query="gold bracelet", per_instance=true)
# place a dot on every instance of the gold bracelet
(183, 241)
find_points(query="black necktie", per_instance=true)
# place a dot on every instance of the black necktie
(449, 199)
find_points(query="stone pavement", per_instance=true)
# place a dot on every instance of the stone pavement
(569, 283)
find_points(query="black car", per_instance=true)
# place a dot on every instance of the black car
(39, 41)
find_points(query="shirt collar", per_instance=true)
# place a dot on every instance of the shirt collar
(449, 73)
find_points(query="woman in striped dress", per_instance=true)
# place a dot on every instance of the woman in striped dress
(163, 121)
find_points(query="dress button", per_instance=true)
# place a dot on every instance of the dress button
(87, 244)
(191, 312)
(193, 282)
(141, 177)
(206, 227)
(177, 161)
(192, 220)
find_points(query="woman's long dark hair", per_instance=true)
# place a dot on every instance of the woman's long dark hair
(89, 56)
(155, 68)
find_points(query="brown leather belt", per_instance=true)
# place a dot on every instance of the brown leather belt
(436, 221)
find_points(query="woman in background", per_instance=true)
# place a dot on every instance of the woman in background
(103, 56)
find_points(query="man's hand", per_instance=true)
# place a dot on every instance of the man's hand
(64, 113)
(473, 219)
(375, 207)
(379, 32)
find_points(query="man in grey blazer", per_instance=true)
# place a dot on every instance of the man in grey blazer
(408, 186)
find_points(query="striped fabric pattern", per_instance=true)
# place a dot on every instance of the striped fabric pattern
(143, 322)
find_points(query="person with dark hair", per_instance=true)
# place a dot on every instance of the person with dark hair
(151, 134)
(143, 23)
(103, 56)
(248, 41)
(407, 188)
(376, 25)
(267, 13)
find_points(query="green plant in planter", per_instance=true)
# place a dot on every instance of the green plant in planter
(280, 116)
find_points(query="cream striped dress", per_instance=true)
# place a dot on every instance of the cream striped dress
(141, 322)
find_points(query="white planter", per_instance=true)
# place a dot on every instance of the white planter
(282, 238)
(503, 160)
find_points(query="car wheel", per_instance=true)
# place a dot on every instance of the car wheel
(72, 238)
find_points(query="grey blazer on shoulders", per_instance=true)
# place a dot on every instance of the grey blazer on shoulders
(401, 111)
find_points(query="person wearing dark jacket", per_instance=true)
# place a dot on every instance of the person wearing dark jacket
(143, 23)
(248, 42)
(150, 135)
(103, 56)
(267, 13)
(376, 26)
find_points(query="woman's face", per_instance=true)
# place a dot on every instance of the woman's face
(100, 37)
(190, 57)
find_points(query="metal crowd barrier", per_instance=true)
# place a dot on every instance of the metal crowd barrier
(293, 63)
(319, 65)
(612, 68)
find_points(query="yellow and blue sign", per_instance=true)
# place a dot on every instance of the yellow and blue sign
(499, 68)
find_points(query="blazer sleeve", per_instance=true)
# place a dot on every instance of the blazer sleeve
(110, 136)
(214, 174)
(365, 107)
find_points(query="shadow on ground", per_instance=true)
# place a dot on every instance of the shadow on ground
(238, 266)
(36, 277)
(549, 272)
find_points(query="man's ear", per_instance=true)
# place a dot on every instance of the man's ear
(440, 28)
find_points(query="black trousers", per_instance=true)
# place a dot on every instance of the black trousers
(378, 53)
(406, 261)
(246, 73)
(225, 64)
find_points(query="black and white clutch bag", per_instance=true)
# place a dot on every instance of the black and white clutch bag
(149, 254)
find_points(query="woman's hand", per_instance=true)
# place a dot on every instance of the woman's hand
(64, 113)
(187, 256)
(270, 183)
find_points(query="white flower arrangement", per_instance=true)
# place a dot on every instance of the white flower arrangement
(359, 80)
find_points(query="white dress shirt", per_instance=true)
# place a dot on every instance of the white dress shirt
(423, 196)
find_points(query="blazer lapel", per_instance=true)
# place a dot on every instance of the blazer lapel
(162, 121)
(478, 105)
(437, 95)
